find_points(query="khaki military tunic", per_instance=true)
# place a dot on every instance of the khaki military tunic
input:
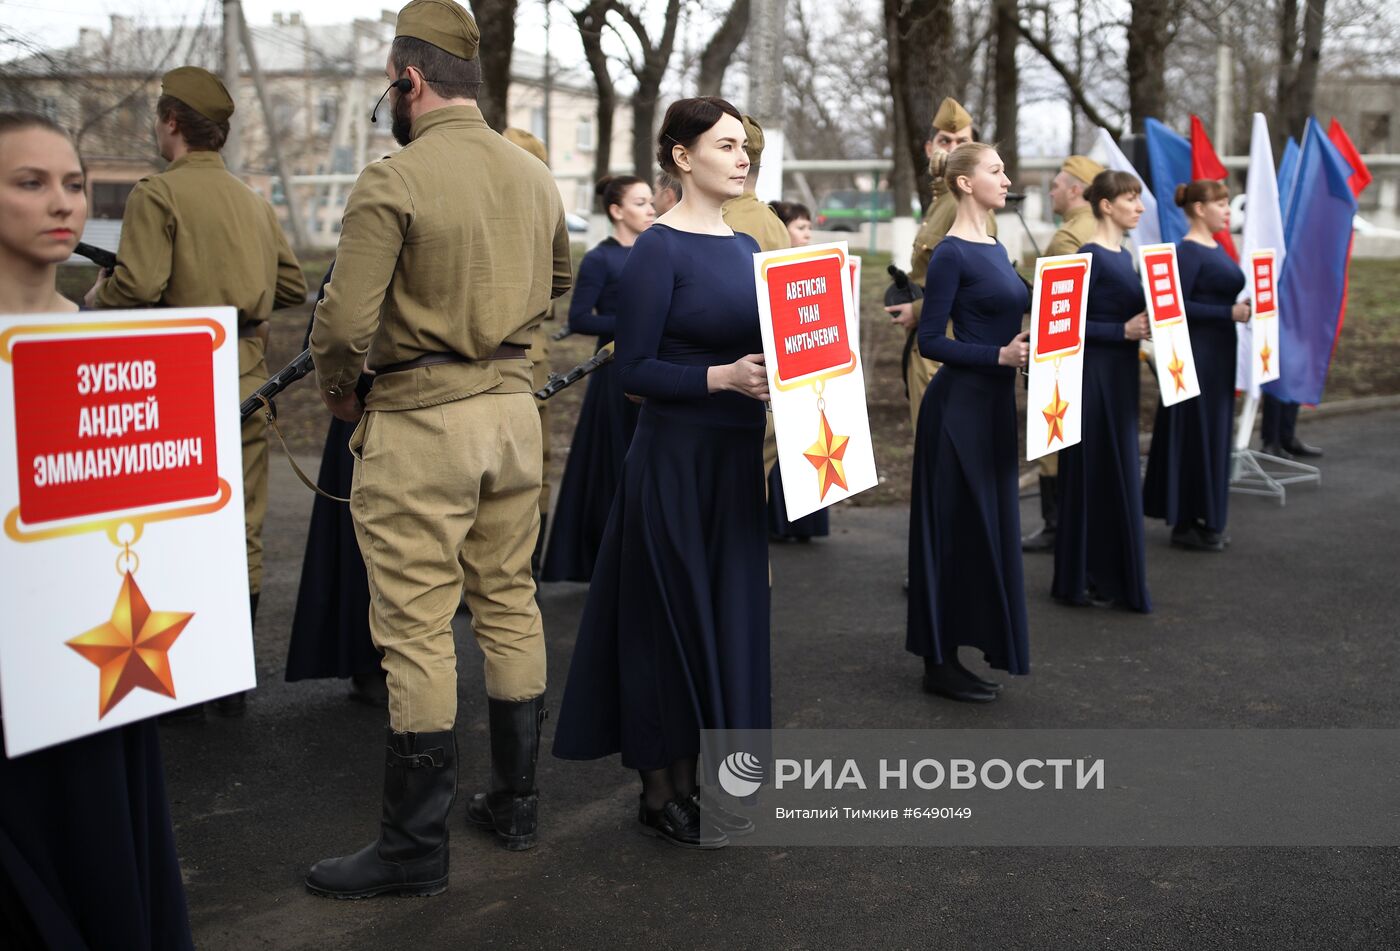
(919, 369)
(756, 219)
(1076, 228)
(196, 236)
(452, 247)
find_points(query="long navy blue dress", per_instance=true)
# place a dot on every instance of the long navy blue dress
(816, 525)
(1099, 542)
(606, 421)
(330, 624)
(674, 636)
(965, 581)
(1188, 466)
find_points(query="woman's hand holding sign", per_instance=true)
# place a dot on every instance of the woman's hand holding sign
(745, 375)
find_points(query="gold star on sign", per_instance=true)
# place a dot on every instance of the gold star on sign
(1175, 368)
(1265, 354)
(826, 455)
(131, 649)
(1055, 416)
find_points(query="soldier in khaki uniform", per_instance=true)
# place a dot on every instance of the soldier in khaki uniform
(756, 219)
(538, 355)
(440, 279)
(196, 236)
(952, 127)
(1076, 228)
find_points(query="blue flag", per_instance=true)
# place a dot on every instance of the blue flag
(1312, 289)
(1169, 159)
(1287, 174)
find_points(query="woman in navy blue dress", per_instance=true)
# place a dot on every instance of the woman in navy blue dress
(965, 581)
(1099, 552)
(87, 853)
(607, 418)
(1188, 467)
(674, 636)
(798, 220)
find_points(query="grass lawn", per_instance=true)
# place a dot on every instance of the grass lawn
(1367, 363)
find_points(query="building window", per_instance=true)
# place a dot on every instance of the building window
(1375, 132)
(109, 199)
(48, 107)
(585, 134)
(537, 124)
(327, 110)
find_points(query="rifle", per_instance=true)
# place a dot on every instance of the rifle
(901, 290)
(558, 382)
(100, 256)
(276, 383)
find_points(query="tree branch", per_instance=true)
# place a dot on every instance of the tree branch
(1072, 80)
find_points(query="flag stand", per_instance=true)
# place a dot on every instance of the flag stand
(1248, 475)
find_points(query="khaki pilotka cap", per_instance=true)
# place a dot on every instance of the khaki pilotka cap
(442, 23)
(951, 116)
(1082, 167)
(753, 132)
(199, 89)
(526, 141)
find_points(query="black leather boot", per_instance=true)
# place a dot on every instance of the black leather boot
(511, 806)
(410, 855)
(1044, 539)
(538, 555)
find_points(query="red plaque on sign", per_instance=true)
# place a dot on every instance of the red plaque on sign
(108, 424)
(1265, 284)
(809, 317)
(1162, 284)
(1060, 318)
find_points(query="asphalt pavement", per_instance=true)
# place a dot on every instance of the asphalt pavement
(1293, 626)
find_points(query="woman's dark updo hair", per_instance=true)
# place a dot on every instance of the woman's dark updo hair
(19, 121)
(1203, 190)
(686, 120)
(610, 190)
(1109, 186)
(790, 211)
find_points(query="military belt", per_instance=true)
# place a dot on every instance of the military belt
(506, 351)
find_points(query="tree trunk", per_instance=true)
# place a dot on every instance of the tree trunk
(649, 72)
(496, 18)
(920, 50)
(1008, 86)
(1149, 33)
(1300, 105)
(720, 50)
(903, 177)
(590, 29)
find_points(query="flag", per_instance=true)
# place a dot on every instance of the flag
(1360, 174)
(1107, 153)
(1287, 176)
(1206, 164)
(1263, 229)
(1317, 232)
(1169, 158)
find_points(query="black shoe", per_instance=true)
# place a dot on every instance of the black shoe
(1273, 449)
(943, 680)
(972, 678)
(1195, 538)
(410, 856)
(1298, 449)
(234, 705)
(679, 822)
(370, 689)
(512, 804)
(730, 823)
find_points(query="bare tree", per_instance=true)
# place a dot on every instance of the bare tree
(648, 65)
(1297, 70)
(496, 18)
(1150, 31)
(715, 58)
(591, 19)
(1008, 85)
(921, 58)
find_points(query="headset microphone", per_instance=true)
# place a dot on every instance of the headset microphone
(402, 85)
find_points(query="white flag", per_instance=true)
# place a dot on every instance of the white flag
(1263, 231)
(1107, 154)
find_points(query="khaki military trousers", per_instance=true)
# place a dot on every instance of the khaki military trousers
(918, 373)
(445, 501)
(252, 373)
